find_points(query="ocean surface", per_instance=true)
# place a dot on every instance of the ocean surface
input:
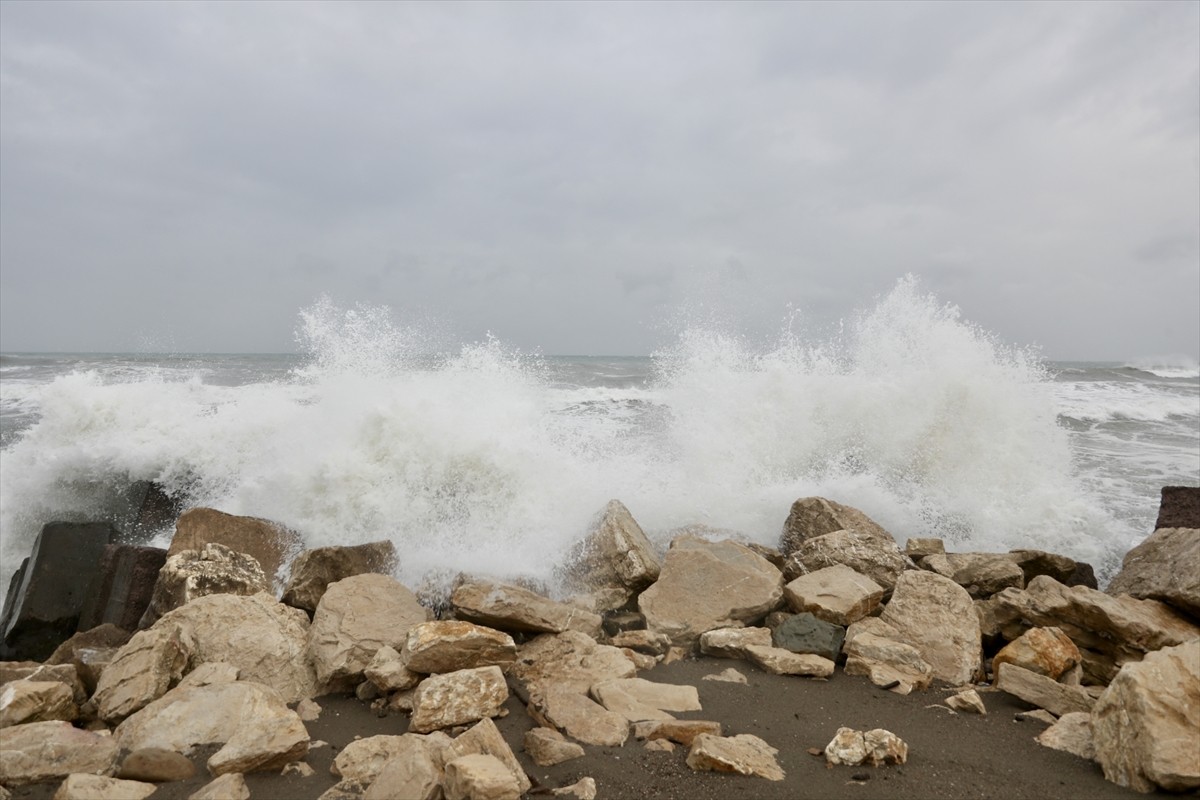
(483, 459)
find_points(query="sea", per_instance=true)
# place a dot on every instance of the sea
(479, 458)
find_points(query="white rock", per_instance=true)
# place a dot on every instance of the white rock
(732, 642)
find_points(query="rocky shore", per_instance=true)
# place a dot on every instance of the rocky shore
(838, 664)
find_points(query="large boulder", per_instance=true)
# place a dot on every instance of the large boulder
(570, 660)
(98, 787)
(412, 772)
(879, 559)
(47, 751)
(1043, 692)
(835, 594)
(251, 722)
(270, 543)
(512, 608)
(981, 574)
(873, 648)
(25, 701)
(1046, 651)
(479, 777)
(1179, 507)
(936, 616)
(706, 585)
(577, 715)
(356, 617)
(1166, 567)
(548, 747)
(1144, 726)
(48, 593)
(811, 517)
(449, 645)
(313, 570)
(614, 562)
(744, 754)
(1066, 571)
(143, 670)
(364, 759)
(484, 738)
(457, 698)
(128, 575)
(214, 569)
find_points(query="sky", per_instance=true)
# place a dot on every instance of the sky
(576, 177)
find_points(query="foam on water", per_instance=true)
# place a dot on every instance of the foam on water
(485, 460)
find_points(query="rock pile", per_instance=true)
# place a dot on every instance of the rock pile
(221, 663)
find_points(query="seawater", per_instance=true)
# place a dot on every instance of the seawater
(483, 459)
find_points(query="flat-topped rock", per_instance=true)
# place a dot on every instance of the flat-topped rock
(26, 701)
(509, 607)
(732, 642)
(1179, 507)
(981, 574)
(1043, 692)
(835, 594)
(570, 660)
(805, 633)
(639, 699)
(449, 645)
(45, 751)
(577, 716)
(744, 754)
(1165, 567)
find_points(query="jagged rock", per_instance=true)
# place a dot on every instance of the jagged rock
(211, 672)
(805, 633)
(128, 575)
(1071, 733)
(156, 765)
(190, 574)
(732, 642)
(968, 701)
(649, 643)
(936, 616)
(456, 698)
(344, 790)
(1179, 507)
(875, 747)
(614, 562)
(683, 731)
(512, 608)
(1066, 571)
(569, 659)
(356, 617)
(89, 652)
(1046, 651)
(871, 649)
(269, 543)
(98, 787)
(981, 574)
(143, 670)
(251, 722)
(313, 570)
(778, 661)
(363, 759)
(640, 699)
(262, 637)
(230, 786)
(918, 548)
(811, 517)
(48, 592)
(1057, 698)
(46, 751)
(744, 754)
(1144, 725)
(730, 675)
(449, 645)
(707, 585)
(577, 715)
(412, 770)
(26, 701)
(835, 594)
(582, 789)
(479, 777)
(1165, 567)
(45, 673)
(484, 737)
(879, 559)
(388, 673)
(548, 747)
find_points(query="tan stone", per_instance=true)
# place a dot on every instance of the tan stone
(648, 643)
(981, 574)
(1043, 692)
(729, 675)
(98, 787)
(1144, 725)
(412, 772)
(388, 673)
(582, 789)
(230, 786)
(156, 765)
(270, 543)
(457, 698)
(936, 616)
(639, 699)
(661, 745)
(512, 608)
(871, 650)
(26, 701)
(38, 752)
(211, 672)
(1071, 733)
(484, 737)
(779, 661)
(46, 673)
(744, 754)
(577, 715)
(1046, 651)
(835, 594)
(479, 777)
(615, 561)
(142, 670)
(732, 642)
(968, 701)
(874, 747)
(707, 585)
(313, 570)
(213, 569)
(811, 517)
(344, 790)
(918, 548)
(449, 645)
(548, 747)
(569, 659)
(878, 559)
(1165, 567)
(363, 759)
(683, 731)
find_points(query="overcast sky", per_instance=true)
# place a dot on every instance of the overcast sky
(567, 176)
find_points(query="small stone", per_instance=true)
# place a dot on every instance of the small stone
(582, 789)
(1072, 733)
(729, 675)
(968, 701)
(479, 777)
(548, 747)
(744, 754)
(308, 710)
(1037, 715)
(156, 765)
(298, 768)
(663, 745)
(458, 698)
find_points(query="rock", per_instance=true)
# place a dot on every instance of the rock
(143, 670)
(967, 701)
(871, 650)
(778, 661)
(1072, 733)
(212, 672)
(577, 715)
(660, 745)
(230, 786)
(1065, 570)
(511, 608)
(614, 562)
(89, 652)
(154, 508)
(1046, 651)
(313, 570)
(744, 754)
(269, 543)
(875, 747)
(878, 559)
(1165, 567)
(1144, 725)
(649, 643)
(128, 574)
(582, 789)
(156, 765)
(44, 673)
(356, 617)
(363, 759)
(484, 737)
(916, 549)
(707, 585)
(805, 633)
(449, 645)
(344, 790)
(616, 622)
(97, 787)
(412, 771)
(730, 675)
(811, 517)
(47, 751)
(981, 574)
(936, 616)
(570, 660)
(47, 595)
(263, 638)
(256, 730)
(457, 698)
(388, 673)
(683, 731)
(1041, 691)
(1179, 507)
(733, 642)
(27, 701)
(640, 699)
(1037, 715)
(190, 574)
(479, 777)
(548, 747)
(837, 594)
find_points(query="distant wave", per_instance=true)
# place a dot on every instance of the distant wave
(1174, 366)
